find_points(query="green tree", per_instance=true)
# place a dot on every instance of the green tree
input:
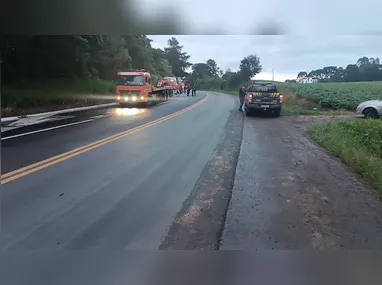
(201, 70)
(178, 59)
(36, 58)
(302, 76)
(249, 67)
(214, 69)
(365, 69)
(110, 55)
(140, 51)
(161, 63)
(353, 73)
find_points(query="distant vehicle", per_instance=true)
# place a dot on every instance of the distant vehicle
(263, 96)
(370, 109)
(134, 87)
(166, 81)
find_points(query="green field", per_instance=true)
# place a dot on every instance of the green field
(342, 95)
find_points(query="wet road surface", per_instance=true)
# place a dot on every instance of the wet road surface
(123, 194)
(136, 185)
(168, 186)
(77, 129)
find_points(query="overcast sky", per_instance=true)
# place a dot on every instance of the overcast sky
(322, 20)
(248, 16)
(286, 54)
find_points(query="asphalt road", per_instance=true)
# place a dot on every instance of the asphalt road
(122, 194)
(193, 173)
(77, 129)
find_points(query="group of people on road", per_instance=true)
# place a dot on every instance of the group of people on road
(190, 89)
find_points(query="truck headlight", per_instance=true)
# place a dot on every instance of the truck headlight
(126, 98)
(134, 98)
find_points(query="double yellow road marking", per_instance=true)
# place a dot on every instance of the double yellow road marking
(21, 172)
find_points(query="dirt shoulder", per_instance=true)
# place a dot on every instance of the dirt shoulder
(289, 193)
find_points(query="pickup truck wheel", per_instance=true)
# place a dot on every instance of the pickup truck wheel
(277, 112)
(371, 113)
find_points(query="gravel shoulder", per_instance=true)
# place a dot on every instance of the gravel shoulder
(289, 193)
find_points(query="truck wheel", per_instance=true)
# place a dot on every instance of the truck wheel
(371, 113)
(248, 112)
(277, 112)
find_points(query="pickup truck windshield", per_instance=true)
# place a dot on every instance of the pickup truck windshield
(263, 88)
(130, 80)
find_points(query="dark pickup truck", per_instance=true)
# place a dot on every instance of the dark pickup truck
(263, 97)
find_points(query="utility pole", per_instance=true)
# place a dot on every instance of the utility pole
(273, 74)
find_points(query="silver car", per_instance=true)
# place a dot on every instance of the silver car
(370, 109)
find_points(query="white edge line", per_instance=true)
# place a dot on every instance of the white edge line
(48, 129)
(100, 116)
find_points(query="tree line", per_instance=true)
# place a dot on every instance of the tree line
(39, 58)
(208, 75)
(27, 59)
(365, 69)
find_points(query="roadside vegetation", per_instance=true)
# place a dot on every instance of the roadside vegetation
(356, 142)
(298, 105)
(55, 72)
(336, 90)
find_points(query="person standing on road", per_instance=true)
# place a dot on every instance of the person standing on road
(242, 92)
(193, 90)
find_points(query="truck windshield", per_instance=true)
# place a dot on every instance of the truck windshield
(263, 88)
(130, 80)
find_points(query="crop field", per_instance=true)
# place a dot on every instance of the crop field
(336, 95)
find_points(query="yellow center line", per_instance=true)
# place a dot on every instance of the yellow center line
(21, 172)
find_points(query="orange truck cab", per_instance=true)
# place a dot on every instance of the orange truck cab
(134, 87)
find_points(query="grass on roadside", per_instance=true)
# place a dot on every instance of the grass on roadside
(293, 109)
(356, 142)
(53, 92)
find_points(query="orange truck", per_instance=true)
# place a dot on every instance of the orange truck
(134, 87)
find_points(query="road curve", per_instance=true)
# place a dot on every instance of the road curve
(123, 194)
